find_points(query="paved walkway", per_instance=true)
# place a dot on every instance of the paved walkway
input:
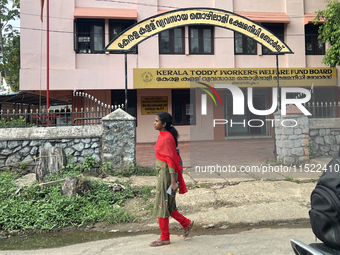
(233, 152)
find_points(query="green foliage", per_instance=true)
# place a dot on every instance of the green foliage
(89, 163)
(69, 168)
(310, 148)
(9, 43)
(135, 169)
(329, 31)
(23, 165)
(47, 209)
(20, 122)
(143, 192)
(106, 166)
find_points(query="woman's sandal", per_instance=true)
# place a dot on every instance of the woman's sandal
(159, 242)
(188, 229)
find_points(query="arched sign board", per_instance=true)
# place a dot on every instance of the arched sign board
(195, 16)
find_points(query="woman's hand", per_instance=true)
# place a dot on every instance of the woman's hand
(174, 187)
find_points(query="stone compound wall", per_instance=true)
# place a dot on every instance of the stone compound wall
(291, 140)
(22, 144)
(325, 136)
(321, 134)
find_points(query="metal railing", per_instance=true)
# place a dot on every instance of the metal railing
(91, 112)
(323, 109)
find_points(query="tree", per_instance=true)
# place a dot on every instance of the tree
(329, 31)
(9, 43)
(10, 66)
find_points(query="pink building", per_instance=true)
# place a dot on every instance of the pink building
(80, 29)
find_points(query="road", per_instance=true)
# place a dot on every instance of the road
(248, 241)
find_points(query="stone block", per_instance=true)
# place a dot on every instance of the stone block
(297, 131)
(34, 151)
(25, 151)
(293, 137)
(6, 152)
(297, 143)
(87, 152)
(325, 148)
(81, 160)
(288, 144)
(322, 132)
(47, 145)
(95, 145)
(61, 145)
(13, 144)
(313, 132)
(289, 161)
(17, 149)
(29, 160)
(73, 186)
(79, 146)
(14, 158)
(329, 139)
(3, 144)
(288, 131)
(335, 147)
(96, 158)
(25, 143)
(87, 140)
(319, 140)
(303, 159)
(298, 151)
(34, 143)
(286, 152)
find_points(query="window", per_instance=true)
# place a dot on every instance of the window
(118, 98)
(277, 29)
(171, 41)
(89, 36)
(183, 111)
(244, 45)
(118, 26)
(313, 45)
(201, 40)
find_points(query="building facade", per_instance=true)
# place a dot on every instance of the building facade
(164, 70)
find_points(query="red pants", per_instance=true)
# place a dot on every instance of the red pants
(164, 224)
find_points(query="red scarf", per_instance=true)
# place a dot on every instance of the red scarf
(165, 151)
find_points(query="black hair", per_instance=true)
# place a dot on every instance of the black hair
(166, 118)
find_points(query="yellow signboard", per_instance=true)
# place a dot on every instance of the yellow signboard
(154, 104)
(241, 77)
(192, 16)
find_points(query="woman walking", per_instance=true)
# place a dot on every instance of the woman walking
(169, 174)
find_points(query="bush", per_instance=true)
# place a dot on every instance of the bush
(20, 122)
(47, 209)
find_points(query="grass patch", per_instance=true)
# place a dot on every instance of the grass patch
(47, 209)
(132, 169)
(289, 179)
(144, 192)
